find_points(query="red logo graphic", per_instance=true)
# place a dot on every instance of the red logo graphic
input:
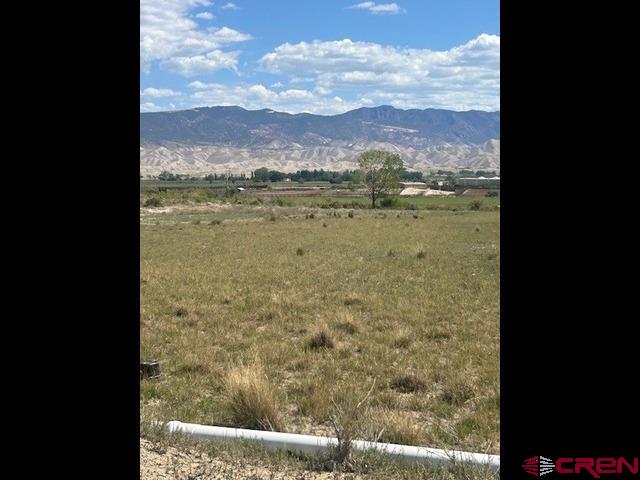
(538, 466)
(595, 466)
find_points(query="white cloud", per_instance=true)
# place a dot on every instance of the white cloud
(201, 64)
(159, 92)
(463, 77)
(149, 107)
(169, 36)
(205, 16)
(380, 8)
(230, 6)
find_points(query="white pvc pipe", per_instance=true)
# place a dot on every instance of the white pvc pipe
(316, 444)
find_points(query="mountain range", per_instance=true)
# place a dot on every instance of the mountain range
(212, 139)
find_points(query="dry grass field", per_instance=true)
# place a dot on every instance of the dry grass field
(271, 317)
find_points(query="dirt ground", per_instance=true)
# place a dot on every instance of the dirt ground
(172, 463)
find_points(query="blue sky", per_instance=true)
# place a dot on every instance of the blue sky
(319, 56)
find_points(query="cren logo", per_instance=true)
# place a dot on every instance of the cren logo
(538, 466)
(594, 466)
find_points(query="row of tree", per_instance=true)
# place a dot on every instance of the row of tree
(264, 175)
(347, 176)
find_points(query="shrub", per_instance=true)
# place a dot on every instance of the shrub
(350, 214)
(251, 400)
(299, 252)
(421, 254)
(491, 194)
(387, 202)
(215, 222)
(475, 205)
(152, 202)
(282, 202)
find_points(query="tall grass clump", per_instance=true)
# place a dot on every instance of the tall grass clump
(391, 426)
(251, 400)
(321, 340)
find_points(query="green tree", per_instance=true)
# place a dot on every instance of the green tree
(381, 172)
(261, 175)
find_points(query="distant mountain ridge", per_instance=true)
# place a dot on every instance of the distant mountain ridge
(212, 138)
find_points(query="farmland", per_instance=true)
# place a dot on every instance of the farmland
(324, 304)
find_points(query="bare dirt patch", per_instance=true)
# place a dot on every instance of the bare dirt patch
(182, 464)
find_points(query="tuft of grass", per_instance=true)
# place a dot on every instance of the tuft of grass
(215, 222)
(272, 217)
(352, 301)
(421, 254)
(192, 368)
(350, 214)
(324, 225)
(299, 251)
(251, 400)
(180, 312)
(348, 327)
(320, 340)
(390, 426)
(456, 392)
(348, 419)
(403, 341)
(391, 253)
(438, 335)
(408, 383)
(477, 229)
(312, 215)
